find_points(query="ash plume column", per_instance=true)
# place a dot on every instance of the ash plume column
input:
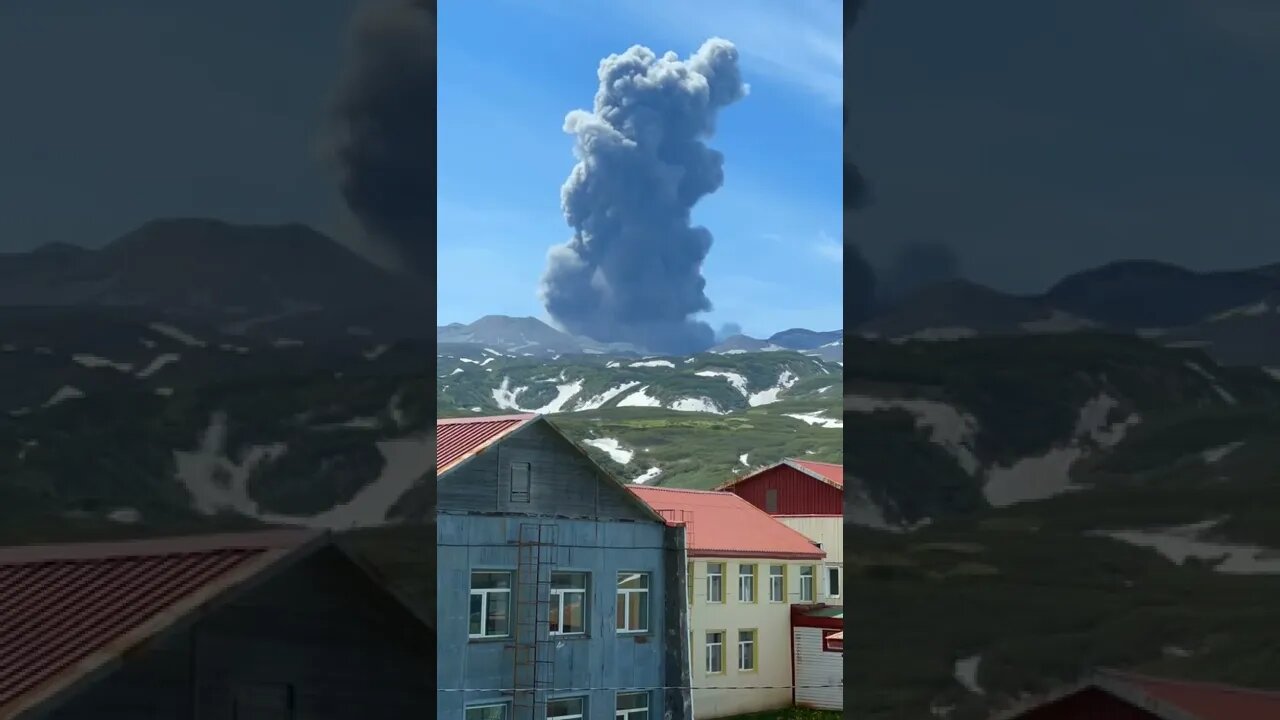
(632, 272)
(382, 133)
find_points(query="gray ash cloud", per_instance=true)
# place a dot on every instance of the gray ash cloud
(382, 131)
(860, 283)
(632, 272)
(917, 265)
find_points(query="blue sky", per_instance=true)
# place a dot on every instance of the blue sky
(509, 71)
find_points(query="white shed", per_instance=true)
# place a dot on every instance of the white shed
(817, 647)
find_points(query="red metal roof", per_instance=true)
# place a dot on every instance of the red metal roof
(831, 472)
(1161, 698)
(459, 438)
(66, 610)
(721, 524)
(1206, 701)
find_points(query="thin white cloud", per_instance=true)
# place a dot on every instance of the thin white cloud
(829, 247)
(795, 42)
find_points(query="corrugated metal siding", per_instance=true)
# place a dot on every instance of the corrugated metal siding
(819, 674)
(798, 494)
(54, 615)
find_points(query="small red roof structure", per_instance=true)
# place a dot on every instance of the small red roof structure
(460, 438)
(1159, 698)
(829, 473)
(69, 611)
(721, 524)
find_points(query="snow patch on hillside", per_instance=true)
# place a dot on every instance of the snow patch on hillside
(1216, 455)
(940, 334)
(817, 418)
(93, 362)
(598, 401)
(966, 673)
(156, 365)
(1180, 543)
(640, 398)
(647, 476)
(505, 396)
(214, 481)
(949, 428)
(174, 333)
(653, 363)
(738, 381)
(1049, 475)
(786, 379)
(64, 393)
(1227, 397)
(564, 393)
(698, 404)
(743, 459)
(1261, 308)
(376, 352)
(612, 448)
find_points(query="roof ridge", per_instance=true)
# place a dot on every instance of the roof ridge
(1224, 687)
(254, 540)
(814, 462)
(484, 418)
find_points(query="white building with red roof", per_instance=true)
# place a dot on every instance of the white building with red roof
(745, 571)
(807, 496)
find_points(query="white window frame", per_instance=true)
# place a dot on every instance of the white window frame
(485, 594)
(755, 634)
(715, 570)
(810, 596)
(782, 584)
(626, 604)
(745, 581)
(557, 599)
(628, 713)
(506, 709)
(582, 709)
(839, 571)
(707, 645)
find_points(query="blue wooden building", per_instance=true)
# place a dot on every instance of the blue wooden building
(560, 592)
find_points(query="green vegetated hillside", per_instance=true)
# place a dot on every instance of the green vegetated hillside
(1056, 486)
(287, 433)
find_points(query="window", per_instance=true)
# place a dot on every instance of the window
(771, 500)
(263, 702)
(806, 583)
(521, 480)
(715, 582)
(566, 708)
(715, 652)
(777, 583)
(633, 602)
(633, 706)
(746, 583)
(833, 581)
(688, 582)
(490, 604)
(568, 615)
(746, 650)
(487, 712)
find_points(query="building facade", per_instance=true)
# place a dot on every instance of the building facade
(817, 649)
(808, 497)
(559, 591)
(744, 571)
(219, 627)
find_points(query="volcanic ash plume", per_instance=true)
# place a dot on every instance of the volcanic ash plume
(633, 270)
(383, 132)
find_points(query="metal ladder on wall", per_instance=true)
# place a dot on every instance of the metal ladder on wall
(533, 650)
